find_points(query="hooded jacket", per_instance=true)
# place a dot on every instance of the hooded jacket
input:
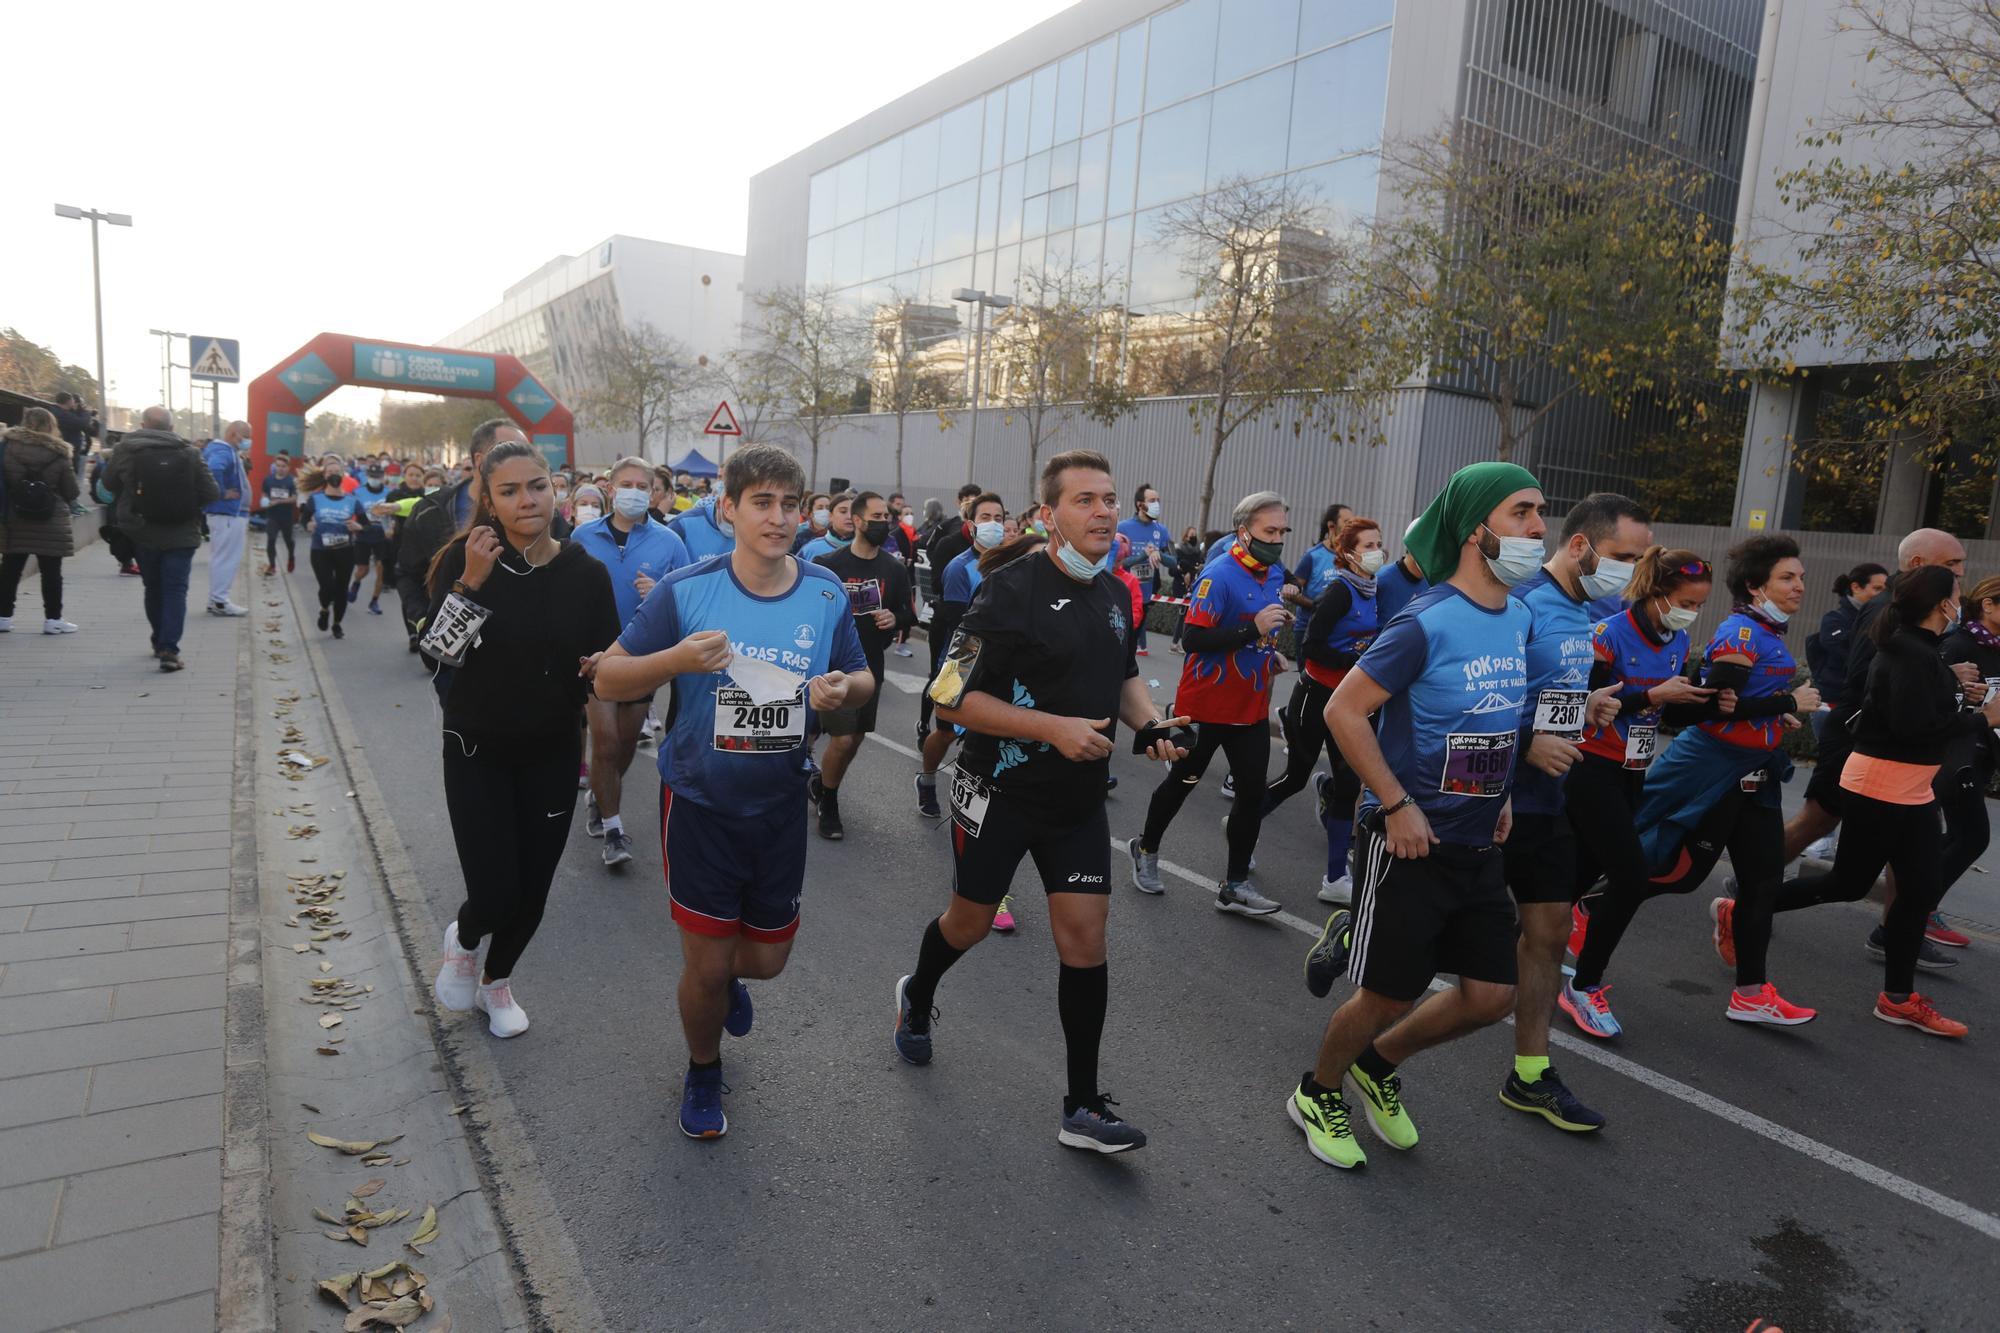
(33, 456)
(118, 478)
(223, 463)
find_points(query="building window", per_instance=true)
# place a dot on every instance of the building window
(1254, 35)
(1181, 61)
(1338, 100)
(1247, 132)
(1323, 22)
(1131, 73)
(1173, 154)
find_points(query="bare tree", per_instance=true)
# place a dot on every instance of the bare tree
(641, 380)
(815, 354)
(748, 380)
(1056, 352)
(1275, 315)
(907, 373)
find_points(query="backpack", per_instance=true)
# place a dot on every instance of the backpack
(163, 490)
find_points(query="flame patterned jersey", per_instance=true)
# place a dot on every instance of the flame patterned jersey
(1231, 687)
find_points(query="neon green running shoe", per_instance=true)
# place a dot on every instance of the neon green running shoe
(1384, 1101)
(1323, 1119)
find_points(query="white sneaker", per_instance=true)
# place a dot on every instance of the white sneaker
(1823, 850)
(504, 1017)
(458, 975)
(58, 627)
(1338, 891)
(6, 624)
(227, 609)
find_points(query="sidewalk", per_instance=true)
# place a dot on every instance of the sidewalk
(116, 796)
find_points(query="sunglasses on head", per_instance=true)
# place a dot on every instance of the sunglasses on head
(1698, 569)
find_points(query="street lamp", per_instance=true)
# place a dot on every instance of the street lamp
(97, 292)
(982, 301)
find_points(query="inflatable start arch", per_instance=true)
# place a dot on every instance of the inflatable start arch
(280, 396)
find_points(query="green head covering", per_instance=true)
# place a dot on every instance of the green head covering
(1440, 531)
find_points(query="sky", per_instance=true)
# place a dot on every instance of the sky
(388, 170)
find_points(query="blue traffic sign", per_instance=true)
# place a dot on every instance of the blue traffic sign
(215, 359)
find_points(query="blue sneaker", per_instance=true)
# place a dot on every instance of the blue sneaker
(701, 1104)
(1590, 1009)
(1093, 1128)
(1549, 1099)
(737, 1021)
(913, 1046)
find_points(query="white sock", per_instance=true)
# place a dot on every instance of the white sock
(614, 824)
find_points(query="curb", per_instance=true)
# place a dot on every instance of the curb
(546, 1266)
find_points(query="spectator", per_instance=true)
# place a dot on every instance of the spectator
(41, 487)
(161, 485)
(115, 540)
(77, 425)
(228, 517)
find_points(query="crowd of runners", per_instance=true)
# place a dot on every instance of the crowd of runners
(1522, 744)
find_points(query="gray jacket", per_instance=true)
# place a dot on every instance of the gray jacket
(118, 476)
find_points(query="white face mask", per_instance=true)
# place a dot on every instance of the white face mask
(1371, 561)
(988, 535)
(1518, 560)
(1677, 618)
(588, 514)
(822, 517)
(1770, 612)
(1609, 577)
(628, 502)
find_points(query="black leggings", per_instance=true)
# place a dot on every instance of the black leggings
(1303, 719)
(1967, 830)
(332, 569)
(1601, 797)
(14, 565)
(510, 818)
(1248, 748)
(1874, 834)
(277, 521)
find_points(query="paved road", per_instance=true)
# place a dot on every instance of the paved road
(856, 1191)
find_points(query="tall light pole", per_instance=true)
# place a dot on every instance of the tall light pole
(980, 300)
(97, 293)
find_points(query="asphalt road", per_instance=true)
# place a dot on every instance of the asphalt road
(855, 1191)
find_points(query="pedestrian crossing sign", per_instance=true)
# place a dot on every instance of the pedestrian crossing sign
(213, 359)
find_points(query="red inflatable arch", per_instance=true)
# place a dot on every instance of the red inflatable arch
(280, 396)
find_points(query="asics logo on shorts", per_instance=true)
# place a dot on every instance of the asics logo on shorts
(1078, 877)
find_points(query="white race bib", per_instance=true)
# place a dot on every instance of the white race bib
(333, 541)
(969, 799)
(1560, 712)
(1641, 741)
(450, 636)
(753, 728)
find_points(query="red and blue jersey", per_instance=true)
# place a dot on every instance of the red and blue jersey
(1637, 663)
(1745, 634)
(1231, 687)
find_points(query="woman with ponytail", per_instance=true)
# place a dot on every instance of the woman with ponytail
(1903, 727)
(1826, 651)
(513, 613)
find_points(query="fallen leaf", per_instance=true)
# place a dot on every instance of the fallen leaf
(400, 1161)
(458, 1110)
(330, 1020)
(326, 967)
(379, 1159)
(351, 1149)
(310, 1107)
(395, 1314)
(335, 1235)
(302, 948)
(326, 1050)
(324, 1216)
(427, 1229)
(358, 1235)
(369, 1188)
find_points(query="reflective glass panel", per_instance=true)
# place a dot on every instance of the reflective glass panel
(1118, 258)
(820, 204)
(1181, 61)
(1173, 153)
(1255, 34)
(1037, 168)
(1157, 271)
(850, 199)
(1247, 132)
(1088, 248)
(1062, 208)
(1035, 216)
(819, 260)
(989, 208)
(1124, 167)
(958, 144)
(878, 246)
(885, 168)
(1131, 73)
(1344, 191)
(1338, 100)
(847, 255)
(920, 160)
(994, 125)
(1017, 120)
(1097, 86)
(1093, 157)
(1010, 204)
(1042, 115)
(915, 239)
(957, 206)
(1323, 21)
(1069, 97)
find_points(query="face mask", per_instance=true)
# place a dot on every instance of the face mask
(1677, 618)
(1264, 553)
(1156, 507)
(821, 517)
(588, 514)
(1609, 577)
(838, 540)
(1074, 564)
(628, 502)
(877, 532)
(1039, 528)
(1517, 560)
(432, 490)
(562, 493)
(1371, 561)
(1771, 613)
(988, 535)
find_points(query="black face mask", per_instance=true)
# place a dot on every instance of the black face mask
(1264, 553)
(876, 533)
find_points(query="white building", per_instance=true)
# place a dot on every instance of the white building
(554, 317)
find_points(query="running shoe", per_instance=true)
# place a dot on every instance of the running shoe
(827, 803)
(354, 594)
(1549, 1099)
(583, 777)
(1767, 1006)
(1240, 898)
(338, 632)
(1938, 931)
(701, 1104)
(617, 848)
(1327, 959)
(1225, 843)
(58, 626)
(927, 801)
(1003, 920)
(1323, 1120)
(741, 1012)
(902, 650)
(1094, 1127)
(323, 613)
(504, 1015)
(1145, 869)
(374, 606)
(1337, 891)
(593, 823)
(227, 608)
(1384, 1104)
(1228, 786)
(291, 564)
(1590, 1009)
(1930, 958)
(912, 1045)
(458, 975)
(1916, 1012)
(1111, 782)
(1723, 912)
(1824, 848)
(1142, 652)
(172, 662)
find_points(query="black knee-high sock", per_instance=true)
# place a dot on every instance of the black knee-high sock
(934, 959)
(1082, 994)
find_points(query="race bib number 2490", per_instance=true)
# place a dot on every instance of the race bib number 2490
(754, 728)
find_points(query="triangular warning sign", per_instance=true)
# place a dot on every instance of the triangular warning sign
(215, 362)
(722, 421)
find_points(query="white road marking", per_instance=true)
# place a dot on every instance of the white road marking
(904, 681)
(1964, 1214)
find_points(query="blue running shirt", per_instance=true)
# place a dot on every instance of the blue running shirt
(962, 577)
(1395, 588)
(1559, 658)
(699, 531)
(1457, 676)
(721, 750)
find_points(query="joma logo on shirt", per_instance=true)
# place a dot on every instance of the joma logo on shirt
(783, 657)
(1484, 667)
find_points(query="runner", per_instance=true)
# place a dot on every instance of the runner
(1040, 671)
(1967, 775)
(1603, 537)
(1902, 725)
(638, 553)
(1643, 653)
(878, 592)
(334, 519)
(433, 521)
(733, 763)
(1232, 625)
(1342, 626)
(1399, 583)
(1321, 562)
(1150, 557)
(518, 610)
(1448, 678)
(984, 528)
(371, 544)
(839, 529)
(278, 501)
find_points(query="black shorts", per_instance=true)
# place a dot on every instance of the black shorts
(1446, 912)
(852, 721)
(989, 837)
(1823, 787)
(1540, 856)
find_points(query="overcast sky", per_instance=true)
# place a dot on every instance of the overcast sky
(387, 169)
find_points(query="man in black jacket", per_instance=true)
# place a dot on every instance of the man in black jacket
(435, 520)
